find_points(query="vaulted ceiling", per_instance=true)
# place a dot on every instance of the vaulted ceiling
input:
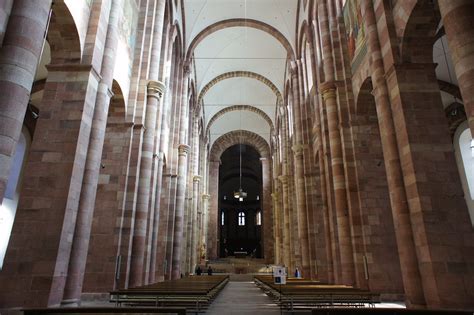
(240, 49)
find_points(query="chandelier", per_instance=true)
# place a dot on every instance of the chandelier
(240, 194)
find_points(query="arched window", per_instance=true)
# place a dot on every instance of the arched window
(465, 160)
(258, 218)
(222, 218)
(12, 193)
(241, 218)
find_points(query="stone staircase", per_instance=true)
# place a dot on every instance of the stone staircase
(239, 269)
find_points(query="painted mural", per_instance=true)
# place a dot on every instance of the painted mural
(126, 45)
(355, 32)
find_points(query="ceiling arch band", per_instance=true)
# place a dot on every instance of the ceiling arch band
(239, 137)
(237, 74)
(242, 22)
(249, 108)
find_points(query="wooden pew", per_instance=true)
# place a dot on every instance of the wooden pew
(195, 292)
(297, 294)
(385, 311)
(104, 310)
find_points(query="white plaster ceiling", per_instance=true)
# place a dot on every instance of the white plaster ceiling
(240, 48)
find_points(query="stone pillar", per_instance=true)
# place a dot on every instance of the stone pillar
(400, 212)
(205, 227)
(77, 264)
(51, 190)
(457, 19)
(18, 60)
(286, 221)
(298, 151)
(267, 211)
(194, 223)
(212, 248)
(183, 150)
(328, 91)
(276, 227)
(155, 90)
(5, 9)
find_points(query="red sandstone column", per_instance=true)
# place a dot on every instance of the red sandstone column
(401, 216)
(205, 227)
(328, 90)
(298, 151)
(179, 215)
(18, 60)
(213, 211)
(457, 18)
(155, 90)
(77, 264)
(267, 211)
(286, 222)
(194, 223)
(5, 9)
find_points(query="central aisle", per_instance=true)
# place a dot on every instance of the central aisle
(242, 298)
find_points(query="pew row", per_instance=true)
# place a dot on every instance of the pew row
(104, 310)
(386, 311)
(195, 292)
(299, 294)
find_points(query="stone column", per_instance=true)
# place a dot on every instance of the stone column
(183, 151)
(457, 19)
(5, 9)
(328, 91)
(194, 223)
(77, 264)
(398, 199)
(276, 227)
(286, 221)
(267, 211)
(155, 90)
(205, 226)
(212, 218)
(19, 57)
(298, 151)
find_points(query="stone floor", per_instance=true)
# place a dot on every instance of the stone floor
(242, 298)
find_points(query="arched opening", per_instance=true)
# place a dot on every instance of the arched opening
(380, 256)
(12, 192)
(464, 152)
(240, 234)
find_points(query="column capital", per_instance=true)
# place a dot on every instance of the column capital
(328, 90)
(197, 178)
(298, 149)
(283, 179)
(206, 196)
(155, 88)
(183, 149)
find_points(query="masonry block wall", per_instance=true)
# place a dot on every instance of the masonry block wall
(360, 183)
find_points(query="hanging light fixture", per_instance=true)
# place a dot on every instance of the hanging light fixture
(240, 194)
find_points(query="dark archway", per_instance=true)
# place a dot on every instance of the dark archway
(240, 221)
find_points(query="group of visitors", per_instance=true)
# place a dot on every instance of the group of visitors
(198, 270)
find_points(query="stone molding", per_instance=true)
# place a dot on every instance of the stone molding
(183, 149)
(155, 88)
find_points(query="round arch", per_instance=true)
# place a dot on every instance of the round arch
(242, 74)
(236, 108)
(242, 23)
(239, 137)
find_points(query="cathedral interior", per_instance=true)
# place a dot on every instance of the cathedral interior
(140, 139)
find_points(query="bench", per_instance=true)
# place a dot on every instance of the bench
(104, 310)
(195, 292)
(304, 294)
(385, 311)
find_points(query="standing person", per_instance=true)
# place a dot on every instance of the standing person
(209, 271)
(198, 270)
(297, 273)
